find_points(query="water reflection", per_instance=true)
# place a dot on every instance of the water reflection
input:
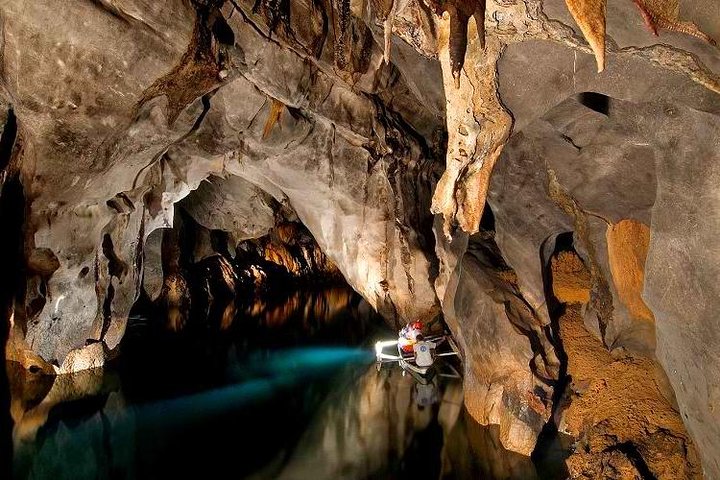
(42, 404)
(377, 424)
(282, 391)
(381, 426)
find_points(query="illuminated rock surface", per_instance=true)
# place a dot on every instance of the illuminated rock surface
(360, 122)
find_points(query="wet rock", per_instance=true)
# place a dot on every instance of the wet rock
(85, 358)
(500, 389)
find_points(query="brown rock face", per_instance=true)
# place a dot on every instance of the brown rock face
(437, 161)
(628, 243)
(626, 426)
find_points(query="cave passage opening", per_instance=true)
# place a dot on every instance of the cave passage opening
(205, 278)
(244, 357)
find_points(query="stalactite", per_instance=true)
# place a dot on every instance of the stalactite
(665, 14)
(657, 14)
(590, 17)
(384, 11)
(274, 117)
(460, 13)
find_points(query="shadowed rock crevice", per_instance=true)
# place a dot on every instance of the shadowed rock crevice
(595, 101)
(550, 437)
(600, 296)
(13, 278)
(116, 267)
(7, 142)
(11, 252)
(632, 454)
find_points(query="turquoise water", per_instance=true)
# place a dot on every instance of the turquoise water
(289, 391)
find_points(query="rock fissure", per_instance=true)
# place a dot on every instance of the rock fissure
(7, 143)
(600, 298)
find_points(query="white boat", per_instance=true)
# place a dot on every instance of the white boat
(417, 361)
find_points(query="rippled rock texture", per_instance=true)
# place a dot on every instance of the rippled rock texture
(436, 163)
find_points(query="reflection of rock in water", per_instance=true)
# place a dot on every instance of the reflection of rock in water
(97, 443)
(315, 411)
(321, 306)
(375, 429)
(363, 430)
(59, 422)
(475, 451)
(372, 426)
(304, 308)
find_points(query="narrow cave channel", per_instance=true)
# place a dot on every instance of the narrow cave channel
(248, 360)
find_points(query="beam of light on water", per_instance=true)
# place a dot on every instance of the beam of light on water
(263, 377)
(277, 370)
(312, 358)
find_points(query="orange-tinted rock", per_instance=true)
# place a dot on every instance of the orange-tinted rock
(616, 405)
(43, 262)
(628, 242)
(571, 281)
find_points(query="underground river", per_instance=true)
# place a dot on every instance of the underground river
(277, 390)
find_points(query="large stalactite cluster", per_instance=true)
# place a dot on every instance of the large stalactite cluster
(590, 15)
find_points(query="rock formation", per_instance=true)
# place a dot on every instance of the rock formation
(439, 153)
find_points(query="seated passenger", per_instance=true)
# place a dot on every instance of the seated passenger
(408, 336)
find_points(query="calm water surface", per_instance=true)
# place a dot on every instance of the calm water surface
(277, 390)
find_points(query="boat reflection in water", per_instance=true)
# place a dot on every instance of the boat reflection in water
(284, 389)
(384, 426)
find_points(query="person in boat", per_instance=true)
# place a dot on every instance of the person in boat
(423, 351)
(409, 336)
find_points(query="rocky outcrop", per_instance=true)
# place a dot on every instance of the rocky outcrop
(335, 133)
(360, 120)
(615, 403)
(596, 178)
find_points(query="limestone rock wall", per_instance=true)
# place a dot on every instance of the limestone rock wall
(593, 163)
(364, 120)
(330, 148)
